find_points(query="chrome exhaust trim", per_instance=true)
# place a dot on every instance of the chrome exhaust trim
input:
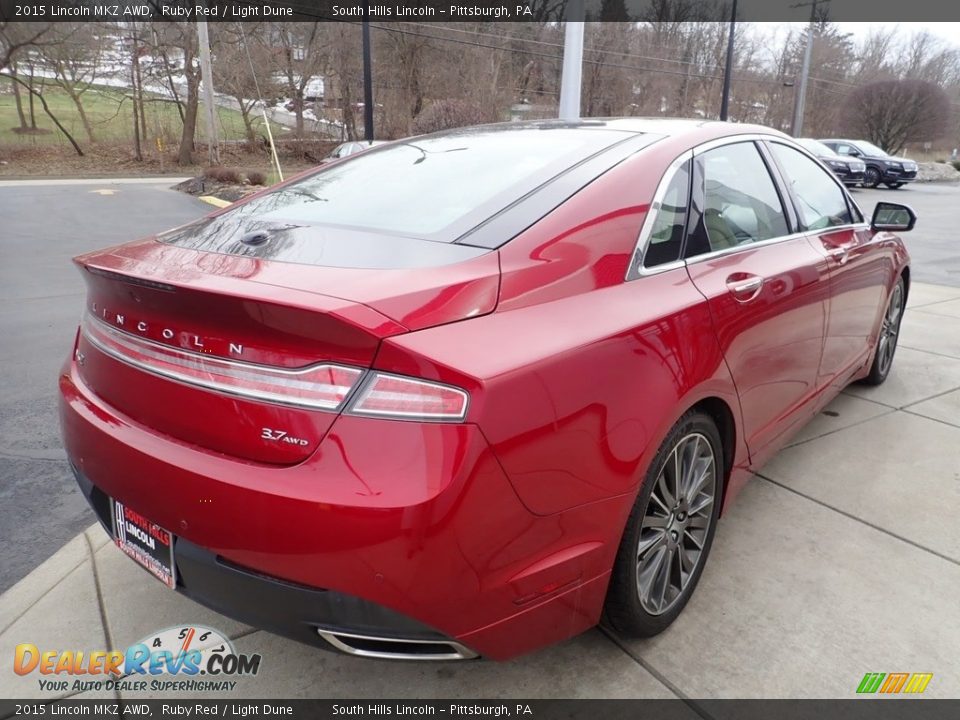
(372, 646)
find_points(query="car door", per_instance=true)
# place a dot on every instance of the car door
(860, 269)
(766, 286)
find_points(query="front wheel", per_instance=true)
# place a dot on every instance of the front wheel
(871, 177)
(670, 530)
(889, 332)
(894, 186)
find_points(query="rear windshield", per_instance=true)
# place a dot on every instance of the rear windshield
(434, 188)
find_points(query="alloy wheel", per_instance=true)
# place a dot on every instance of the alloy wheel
(676, 523)
(889, 330)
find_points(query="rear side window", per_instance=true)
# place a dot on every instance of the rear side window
(666, 235)
(820, 201)
(741, 203)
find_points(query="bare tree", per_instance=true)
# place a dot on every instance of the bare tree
(75, 56)
(241, 69)
(18, 37)
(302, 60)
(22, 39)
(408, 51)
(891, 113)
(175, 45)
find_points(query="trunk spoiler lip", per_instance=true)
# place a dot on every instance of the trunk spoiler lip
(123, 268)
(135, 263)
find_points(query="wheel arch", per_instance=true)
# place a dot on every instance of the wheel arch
(722, 414)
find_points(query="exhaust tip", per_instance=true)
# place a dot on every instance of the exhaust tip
(388, 648)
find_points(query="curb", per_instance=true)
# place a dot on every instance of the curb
(215, 201)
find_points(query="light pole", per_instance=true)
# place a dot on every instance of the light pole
(728, 70)
(801, 98)
(570, 80)
(367, 78)
(213, 141)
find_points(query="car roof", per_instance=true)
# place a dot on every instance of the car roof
(683, 131)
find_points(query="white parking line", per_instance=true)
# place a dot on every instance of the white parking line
(161, 180)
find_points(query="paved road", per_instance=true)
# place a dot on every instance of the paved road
(935, 243)
(46, 223)
(41, 295)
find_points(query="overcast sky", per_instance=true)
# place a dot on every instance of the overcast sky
(949, 31)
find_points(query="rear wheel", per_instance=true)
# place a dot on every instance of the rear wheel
(871, 177)
(889, 332)
(894, 186)
(670, 530)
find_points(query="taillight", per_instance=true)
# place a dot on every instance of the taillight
(323, 386)
(403, 398)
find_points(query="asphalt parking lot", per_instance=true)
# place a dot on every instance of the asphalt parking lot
(841, 558)
(43, 226)
(933, 243)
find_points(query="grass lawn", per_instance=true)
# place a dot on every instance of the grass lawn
(111, 117)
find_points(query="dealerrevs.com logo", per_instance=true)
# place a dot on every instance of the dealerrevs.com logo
(184, 658)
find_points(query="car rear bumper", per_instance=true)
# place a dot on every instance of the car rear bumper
(310, 615)
(392, 530)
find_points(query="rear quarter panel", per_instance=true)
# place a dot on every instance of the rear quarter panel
(578, 376)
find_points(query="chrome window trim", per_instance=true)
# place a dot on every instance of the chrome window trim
(728, 140)
(742, 248)
(774, 241)
(836, 181)
(636, 269)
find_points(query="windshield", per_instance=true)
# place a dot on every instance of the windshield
(870, 149)
(817, 148)
(433, 187)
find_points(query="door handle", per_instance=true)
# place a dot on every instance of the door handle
(744, 289)
(839, 254)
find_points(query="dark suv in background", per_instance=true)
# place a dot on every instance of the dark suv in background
(892, 171)
(848, 169)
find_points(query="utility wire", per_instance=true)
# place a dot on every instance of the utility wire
(602, 51)
(534, 53)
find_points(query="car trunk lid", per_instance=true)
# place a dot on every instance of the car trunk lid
(165, 324)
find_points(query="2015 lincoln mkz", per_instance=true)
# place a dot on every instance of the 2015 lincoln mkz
(464, 394)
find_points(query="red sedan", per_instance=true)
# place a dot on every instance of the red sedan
(465, 394)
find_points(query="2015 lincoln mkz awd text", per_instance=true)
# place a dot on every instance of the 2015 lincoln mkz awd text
(461, 394)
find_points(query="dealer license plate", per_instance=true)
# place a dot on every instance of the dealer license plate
(144, 541)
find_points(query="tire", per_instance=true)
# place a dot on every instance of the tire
(889, 333)
(661, 524)
(894, 186)
(871, 177)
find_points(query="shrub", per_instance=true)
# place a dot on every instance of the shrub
(452, 113)
(223, 174)
(956, 164)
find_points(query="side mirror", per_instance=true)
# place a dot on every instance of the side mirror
(893, 217)
(853, 153)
